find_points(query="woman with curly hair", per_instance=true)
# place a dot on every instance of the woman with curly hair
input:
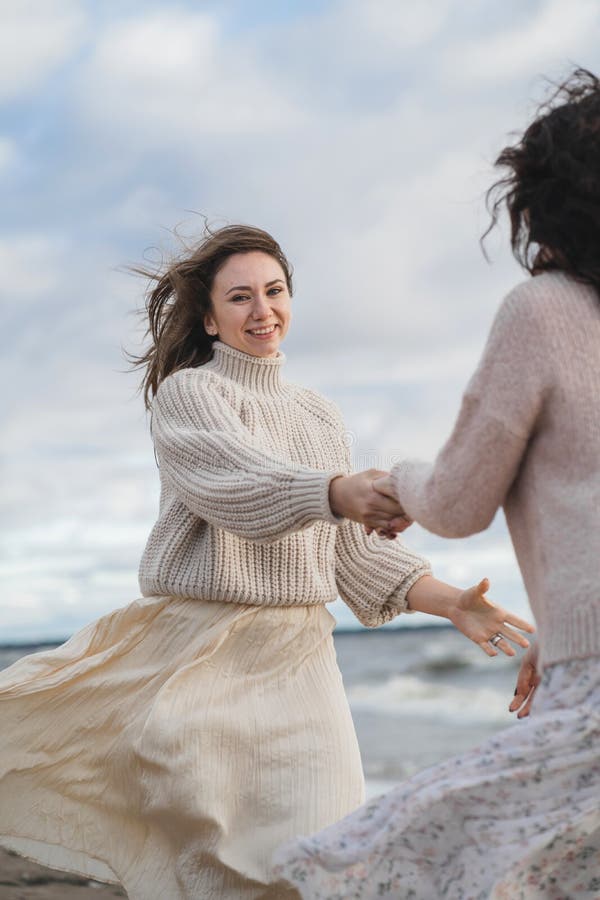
(519, 816)
(175, 742)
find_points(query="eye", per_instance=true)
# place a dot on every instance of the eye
(239, 297)
(274, 290)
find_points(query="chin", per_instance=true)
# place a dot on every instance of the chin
(262, 350)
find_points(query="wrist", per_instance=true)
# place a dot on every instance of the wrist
(336, 491)
(436, 598)
(453, 609)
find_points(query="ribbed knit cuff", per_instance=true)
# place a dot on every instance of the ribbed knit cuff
(398, 599)
(404, 474)
(310, 497)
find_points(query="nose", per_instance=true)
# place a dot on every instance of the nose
(260, 307)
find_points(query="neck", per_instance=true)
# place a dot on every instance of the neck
(260, 374)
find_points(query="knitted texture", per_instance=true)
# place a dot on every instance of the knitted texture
(528, 438)
(246, 459)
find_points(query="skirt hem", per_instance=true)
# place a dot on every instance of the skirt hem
(21, 846)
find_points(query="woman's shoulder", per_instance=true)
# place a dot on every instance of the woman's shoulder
(316, 403)
(540, 298)
(197, 381)
(536, 317)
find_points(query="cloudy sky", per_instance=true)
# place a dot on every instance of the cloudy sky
(360, 132)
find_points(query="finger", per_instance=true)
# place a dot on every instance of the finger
(527, 708)
(520, 623)
(384, 486)
(506, 648)
(483, 586)
(516, 702)
(376, 519)
(518, 706)
(400, 523)
(525, 684)
(520, 698)
(478, 591)
(379, 525)
(487, 648)
(377, 474)
(386, 531)
(381, 504)
(515, 636)
(526, 679)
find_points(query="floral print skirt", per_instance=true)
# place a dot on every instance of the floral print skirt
(517, 818)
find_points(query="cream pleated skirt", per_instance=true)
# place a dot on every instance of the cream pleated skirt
(173, 744)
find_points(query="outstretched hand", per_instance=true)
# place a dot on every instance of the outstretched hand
(481, 621)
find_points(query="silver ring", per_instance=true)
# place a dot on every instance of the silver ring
(496, 638)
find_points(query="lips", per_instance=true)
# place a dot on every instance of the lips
(265, 331)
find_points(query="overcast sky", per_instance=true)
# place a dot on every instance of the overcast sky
(361, 133)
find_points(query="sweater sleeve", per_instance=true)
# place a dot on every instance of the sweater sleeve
(461, 491)
(222, 473)
(374, 574)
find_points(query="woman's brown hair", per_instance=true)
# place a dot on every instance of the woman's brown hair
(178, 300)
(552, 189)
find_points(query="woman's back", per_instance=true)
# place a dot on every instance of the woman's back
(553, 506)
(528, 439)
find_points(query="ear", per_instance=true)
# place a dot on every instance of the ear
(209, 325)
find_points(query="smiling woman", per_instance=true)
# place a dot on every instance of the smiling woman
(225, 288)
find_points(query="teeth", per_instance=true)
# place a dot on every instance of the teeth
(263, 330)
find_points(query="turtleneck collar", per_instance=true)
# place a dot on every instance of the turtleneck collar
(255, 373)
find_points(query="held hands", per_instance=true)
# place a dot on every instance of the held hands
(385, 486)
(487, 624)
(355, 497)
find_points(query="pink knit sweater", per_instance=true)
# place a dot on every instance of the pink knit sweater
(528, 439)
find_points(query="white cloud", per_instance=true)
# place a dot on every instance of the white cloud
(144, 206)
(32, 266)
(388, 27)
(35, 38)
(170, 78)
(555, 31)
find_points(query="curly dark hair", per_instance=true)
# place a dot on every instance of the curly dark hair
(178, 300)
(552, 189)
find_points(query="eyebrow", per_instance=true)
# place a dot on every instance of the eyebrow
(246, 287)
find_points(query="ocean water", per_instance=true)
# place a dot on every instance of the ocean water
(418, 696)
(421, 695)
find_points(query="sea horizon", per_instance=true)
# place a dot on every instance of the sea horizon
(340, 629)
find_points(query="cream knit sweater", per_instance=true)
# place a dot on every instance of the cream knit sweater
(528, 439)
(246, 459)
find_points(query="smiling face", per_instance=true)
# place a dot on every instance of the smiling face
(250, 304)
